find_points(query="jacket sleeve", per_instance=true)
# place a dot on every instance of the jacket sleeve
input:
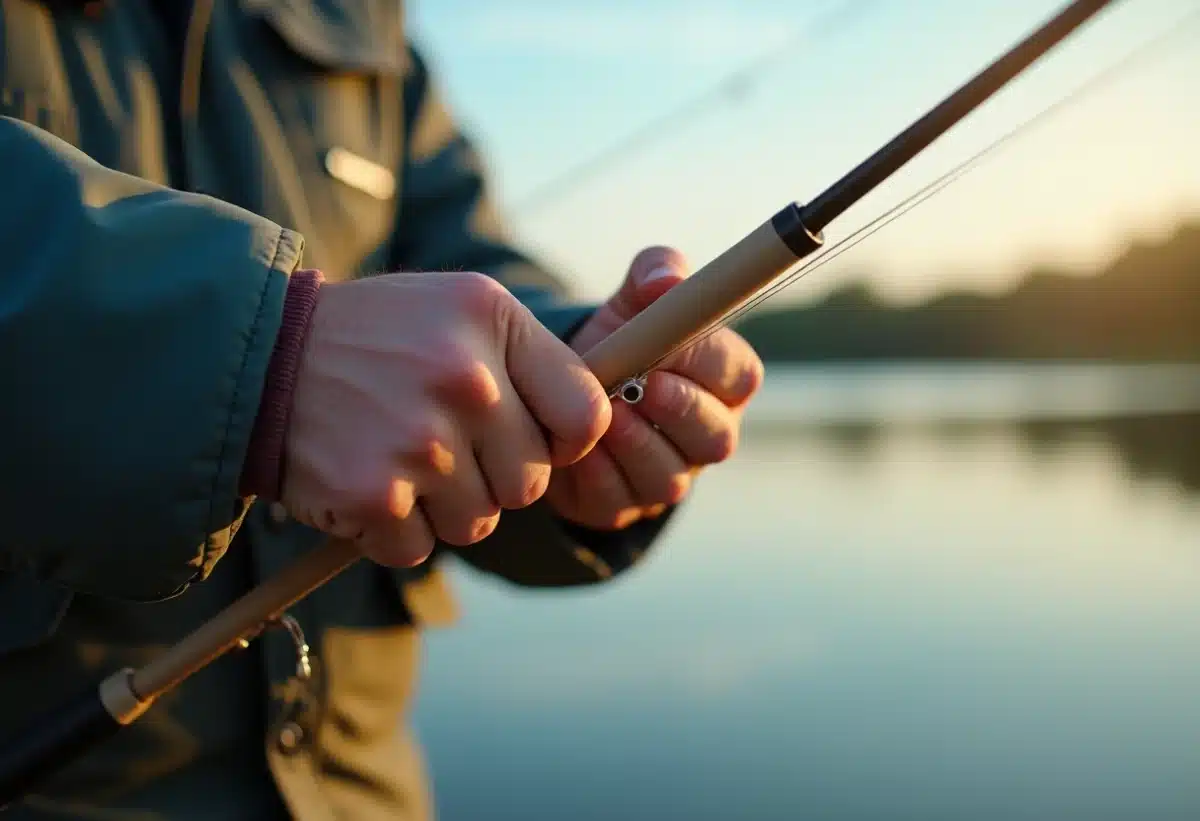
(136, 328)
(449, 221)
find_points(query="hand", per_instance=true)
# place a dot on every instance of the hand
(425, 403)
(689, 417)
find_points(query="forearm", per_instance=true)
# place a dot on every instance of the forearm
(137, 327)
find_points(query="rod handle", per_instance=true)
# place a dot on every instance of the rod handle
(702, 299)
(243, 617)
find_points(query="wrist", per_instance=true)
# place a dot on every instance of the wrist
(262, 474)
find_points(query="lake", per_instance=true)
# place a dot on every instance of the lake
(924, 592)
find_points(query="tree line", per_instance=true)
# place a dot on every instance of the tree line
(1145, 306)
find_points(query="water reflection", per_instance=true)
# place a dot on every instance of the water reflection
(1160, 447)
(952, 617)
(1163, 447)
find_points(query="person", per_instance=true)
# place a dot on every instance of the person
(256, 293)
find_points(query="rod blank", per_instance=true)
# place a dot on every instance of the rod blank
(835, 200)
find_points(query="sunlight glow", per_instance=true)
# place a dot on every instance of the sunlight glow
(543, 86)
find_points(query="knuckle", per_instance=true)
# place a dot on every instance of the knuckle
(507, 493)
(676, 399)
(525, 488)
(721, 444)
(452, 356)
(510, 495)
(750, 371)
(338, 525)
(733, 362)
(626, 433)
(754, 374)
(468, 382)
(401, 538)
(597, 414)
(437, 458)
(604, 493)
(363, 500)
(424, 446)
(482, 296)
(406, 549)
(622, 518)
(457, 530)
(677, 489)
(584, 429)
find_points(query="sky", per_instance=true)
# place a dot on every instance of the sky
(542, 86)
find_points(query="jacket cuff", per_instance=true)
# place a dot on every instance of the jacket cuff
(262, 474)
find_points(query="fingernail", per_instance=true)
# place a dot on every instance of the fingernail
(662, 272)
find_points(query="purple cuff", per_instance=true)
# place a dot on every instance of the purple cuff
(262, 474)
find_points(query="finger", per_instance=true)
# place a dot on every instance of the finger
(509, 447)
(404, 538)
(454, 495)
(563, 396)
(697, 423)
(653, 272)
(602, 498)
(724, 364)
(654, 511)
(654, 470)
(512, 453)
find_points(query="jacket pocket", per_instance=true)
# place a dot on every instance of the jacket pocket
(30, 611)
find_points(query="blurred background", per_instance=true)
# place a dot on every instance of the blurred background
(954, 570)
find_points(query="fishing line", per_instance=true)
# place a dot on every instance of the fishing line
(685, 114)
(1151, 48)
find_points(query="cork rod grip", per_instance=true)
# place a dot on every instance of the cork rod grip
(692, 306)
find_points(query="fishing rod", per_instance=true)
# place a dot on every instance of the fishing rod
(620, 362)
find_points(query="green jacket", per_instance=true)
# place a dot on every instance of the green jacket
(136, 324)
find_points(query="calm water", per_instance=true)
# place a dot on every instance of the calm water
(916, 593)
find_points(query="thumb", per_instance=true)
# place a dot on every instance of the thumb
(653, 272)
